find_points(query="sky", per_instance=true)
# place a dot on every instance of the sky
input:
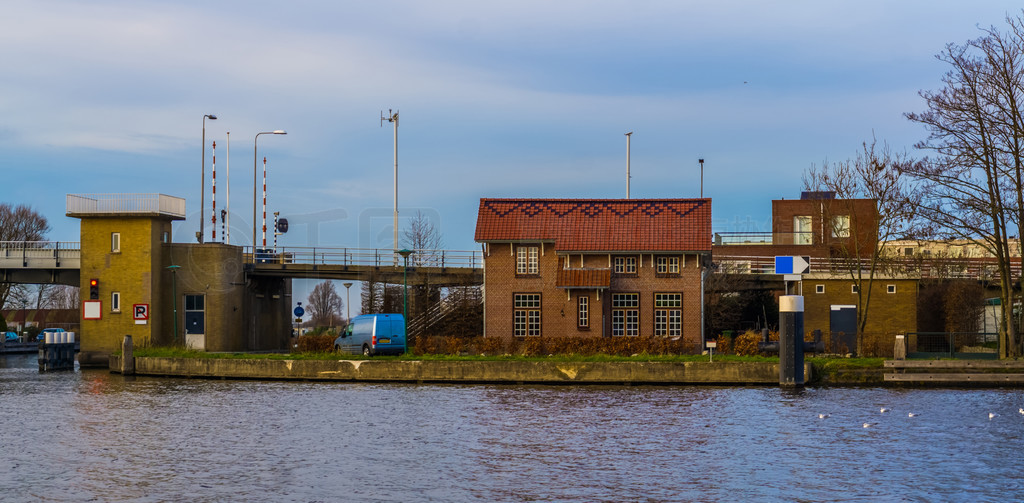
(516, 99)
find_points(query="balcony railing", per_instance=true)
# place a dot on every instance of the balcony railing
(763, 238)
(125, 204)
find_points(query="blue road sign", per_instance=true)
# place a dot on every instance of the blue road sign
(299, 311)
(792, 265)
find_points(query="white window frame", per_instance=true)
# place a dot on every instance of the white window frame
(583, 312)
(667, 265)
(853, 288)
(115, 242)
(668, 314)
(526, 319)
(625, 314)
(819, 288)
(890, 288)
(527, 260)
(625, 264)
(803, 230)
(115, 302)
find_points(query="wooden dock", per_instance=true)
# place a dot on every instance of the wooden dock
(955, 372)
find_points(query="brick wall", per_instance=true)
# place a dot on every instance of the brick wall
(559, 305)
(887, 312)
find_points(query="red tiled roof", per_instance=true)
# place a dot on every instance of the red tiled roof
(584, 278)
(599, 224)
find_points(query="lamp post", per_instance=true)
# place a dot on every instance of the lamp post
(393, 118)
(254, 169)
(701, 161)
(405, 252)
(202, 186)
(629, 136)
(174, 297)
(348, 301)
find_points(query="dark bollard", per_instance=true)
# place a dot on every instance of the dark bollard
(127, 357)
(791, 340)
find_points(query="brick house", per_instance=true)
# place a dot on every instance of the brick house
(594, 267)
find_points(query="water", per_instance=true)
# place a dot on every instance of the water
(94, 436)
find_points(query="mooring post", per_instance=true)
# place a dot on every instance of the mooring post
(127, 358)
(899, 352)
(791, 340)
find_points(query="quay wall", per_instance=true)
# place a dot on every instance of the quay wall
(514, 372)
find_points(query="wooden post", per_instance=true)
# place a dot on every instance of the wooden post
(127, 358)
(899, 352)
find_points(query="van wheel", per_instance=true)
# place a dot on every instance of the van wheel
(337, 348)
(366, 351)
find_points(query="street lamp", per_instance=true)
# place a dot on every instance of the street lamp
(254, 169)
(174, 297)
(348, 301)
(701, 161)
(202, 186)
(405, 252)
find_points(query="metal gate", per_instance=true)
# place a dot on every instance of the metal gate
(965, 345)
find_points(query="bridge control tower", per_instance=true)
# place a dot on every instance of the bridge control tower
(164, 293)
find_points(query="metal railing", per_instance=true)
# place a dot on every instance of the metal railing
(377, 257)
(763, 238)
(39, 253)
(125, 204)
(960, 268)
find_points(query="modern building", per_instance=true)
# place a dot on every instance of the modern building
(594, 267)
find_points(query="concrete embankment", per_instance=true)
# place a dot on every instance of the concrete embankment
(542, 372)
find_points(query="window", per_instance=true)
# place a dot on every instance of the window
(626, 314)
(890, 288)
(115, 302)
(527, 314)
(819, 288)
(667, 265)
(624, 265)
(802, 232)
(668, 314)
(841, 226)
(908, 251)
(526, 260)
(854, 289)
(115, 242)
(165, 237)
(583, 312)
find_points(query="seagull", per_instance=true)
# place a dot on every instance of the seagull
(824, 416)
(868, 425)
(911, 414)
(991, 415)
(1021, 410)
(883, 410)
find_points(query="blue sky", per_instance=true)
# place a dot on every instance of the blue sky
(497, 99)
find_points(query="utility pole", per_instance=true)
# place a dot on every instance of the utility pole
(629, 135)
(393, 118)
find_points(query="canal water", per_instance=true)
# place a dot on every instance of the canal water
(95, 436)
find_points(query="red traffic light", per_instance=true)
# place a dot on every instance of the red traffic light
(94, 282)
(94, 289)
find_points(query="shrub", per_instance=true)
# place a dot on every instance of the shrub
(315, 343)
(746, 343)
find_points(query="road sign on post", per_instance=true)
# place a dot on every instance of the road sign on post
(792, 264)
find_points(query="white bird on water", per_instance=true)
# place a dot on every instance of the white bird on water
(911, 414)
(991, 415)
(868, 425)
(824, 416)
(883, 410)
(1021, 410)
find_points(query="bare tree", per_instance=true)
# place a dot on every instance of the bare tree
(19, 223)
(64, 297)
(875, 174)
(324, 304)
(422, 236)
(973, 185)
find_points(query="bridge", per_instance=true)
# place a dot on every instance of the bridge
(59, 262)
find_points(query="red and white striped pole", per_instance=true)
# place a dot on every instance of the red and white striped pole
(213, 200)
(264, 202)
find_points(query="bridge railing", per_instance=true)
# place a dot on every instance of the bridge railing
(39, 253)
(377, 257)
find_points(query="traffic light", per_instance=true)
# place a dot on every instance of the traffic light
(94, 289)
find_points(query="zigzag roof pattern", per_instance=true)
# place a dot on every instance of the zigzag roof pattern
(599, 225)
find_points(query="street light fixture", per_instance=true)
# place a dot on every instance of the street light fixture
(405, 252)
(202, 186)
(348, 301)
(701, 161)
(254, 169)
(174, 297)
